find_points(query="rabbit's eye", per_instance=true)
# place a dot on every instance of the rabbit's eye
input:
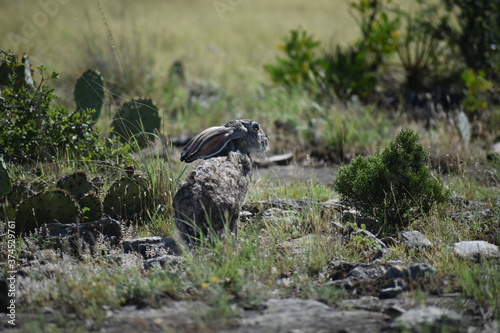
(256, 127)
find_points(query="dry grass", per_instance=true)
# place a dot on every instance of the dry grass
(229, 49)
(229, 44)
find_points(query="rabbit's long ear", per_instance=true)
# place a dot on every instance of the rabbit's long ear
(210, 142)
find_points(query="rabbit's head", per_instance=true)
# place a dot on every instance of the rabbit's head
(244, 136)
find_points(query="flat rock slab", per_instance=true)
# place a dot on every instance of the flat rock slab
(150, 247)
(177, 317)
(428, 318)
(476, 250)
(302, 315)
(414, 238)
(280, 315)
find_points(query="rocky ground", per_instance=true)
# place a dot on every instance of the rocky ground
(379, 297)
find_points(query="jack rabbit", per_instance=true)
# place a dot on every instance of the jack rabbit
(210, 199)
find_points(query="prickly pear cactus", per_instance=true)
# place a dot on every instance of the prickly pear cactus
(128, 198)
(47, 207)
(20, 192)
(5, 184)
(77, 184)
(91, 207)
(137, 121)
(89, 92)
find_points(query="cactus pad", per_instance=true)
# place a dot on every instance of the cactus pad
(128, 198)
(47, 207)
(77, 184)
(137, 119)
(89, 92)
(20, 192)
(91, 207)
(5, 184)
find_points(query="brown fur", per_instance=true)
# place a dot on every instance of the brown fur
(208, 203)
(212, 202)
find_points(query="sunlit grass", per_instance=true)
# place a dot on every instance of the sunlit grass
(137, 42)
(229, 46)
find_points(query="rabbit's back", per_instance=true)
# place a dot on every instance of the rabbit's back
(212, 195)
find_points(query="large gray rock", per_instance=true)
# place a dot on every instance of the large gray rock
(428, 319)
(305, 315)
(414, 238)
(412, 272)
(109, 228)
(476, 250)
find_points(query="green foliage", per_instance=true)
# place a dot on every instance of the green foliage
(420, 53)
(349, 73)
(35, 128)
(89, 92)
(54, 206)
(353, 71)
(300, 66)
(473, 27)
(481, 282)
(394, 186)
(14, 73)
(82, 190)
(360, 241)
(129, 198)
(18, 194)
(138, 121)
(5, 184)
(477, 88)
(91, 207)
(77, 184)
(435, 42)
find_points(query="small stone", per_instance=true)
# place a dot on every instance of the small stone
(476, 250)
(419, 271)
(414, 238)
(278, 216)
(151, 246)
(338, 269)
(164, 261)
(89, 232)
(429, 318)
(367, 273)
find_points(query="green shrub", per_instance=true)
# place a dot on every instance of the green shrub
(35, 128)
(393, 186)
(435, 42)
(300, 66)
(348, 72)
(473, 27)
(345, 71)
(477, 90)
